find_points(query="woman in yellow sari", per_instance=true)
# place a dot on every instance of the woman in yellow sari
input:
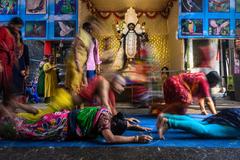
(50, 83)
(76, 61)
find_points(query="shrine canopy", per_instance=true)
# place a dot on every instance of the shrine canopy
(209, 19)
(43, 19)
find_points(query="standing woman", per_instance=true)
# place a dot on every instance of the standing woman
(180, 90)
(41, 78)
(76, 61)
(50, 83)
(9, 38)
(19, 74)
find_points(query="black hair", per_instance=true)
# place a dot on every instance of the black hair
(131, 24)
(21, 39)
(86, 26)
(213, 77)
(16, 21)
(118, 124)
(165, 70)
(11, 23)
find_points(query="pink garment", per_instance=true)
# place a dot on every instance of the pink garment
(93, 56)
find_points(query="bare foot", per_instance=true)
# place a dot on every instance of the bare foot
(163, 127)
(204, 112)
(159, 119)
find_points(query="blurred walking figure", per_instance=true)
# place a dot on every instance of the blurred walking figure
(77, 60)
(9, 41)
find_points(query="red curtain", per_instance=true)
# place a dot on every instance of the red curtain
(47, 48)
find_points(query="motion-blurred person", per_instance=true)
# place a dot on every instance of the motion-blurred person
(108, 52)
(50, 83)
(103, 91)
(26, 59)
(19, 75)
(93, 60)
(179, 91)
(76, 61)
(9, 41)
(65, 125)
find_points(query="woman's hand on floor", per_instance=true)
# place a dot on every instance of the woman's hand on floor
(143, 139)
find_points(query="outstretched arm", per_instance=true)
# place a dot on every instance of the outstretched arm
(211, 105)
(111, 138)
(137, 127)
(202, 106)
(47, 68)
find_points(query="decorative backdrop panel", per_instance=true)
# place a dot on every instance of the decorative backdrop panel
(209, 18)
(159, 48)
(43, 19)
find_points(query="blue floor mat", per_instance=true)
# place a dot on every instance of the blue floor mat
(174, 138)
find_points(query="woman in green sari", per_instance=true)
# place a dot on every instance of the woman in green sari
(41, 79)
(68, 125)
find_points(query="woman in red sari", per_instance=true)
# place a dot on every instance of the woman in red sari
(179, 91)
(9, 41)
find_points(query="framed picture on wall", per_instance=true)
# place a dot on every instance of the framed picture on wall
(218, 27)
(65, 7)
(238, 27)
(3, 23)
(35, 29)
(218, 5)
(192, 5)
(192, 27)
(237, 5)
(36, 6)
(8, 7)
(237, 57)
(64, 28)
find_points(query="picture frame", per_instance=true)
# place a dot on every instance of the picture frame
(237, 5)
(65, 7)
(35, 29)
(9, 7)
(192, 27)
(237, 27)
(3, 23)
(36, 6)
(219, 27)
(192, 5)
(65, 28)
(218, 5)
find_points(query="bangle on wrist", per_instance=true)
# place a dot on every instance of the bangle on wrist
(136, 138)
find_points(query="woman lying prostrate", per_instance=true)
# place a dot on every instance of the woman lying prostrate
(225, 124)
(73, 125)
